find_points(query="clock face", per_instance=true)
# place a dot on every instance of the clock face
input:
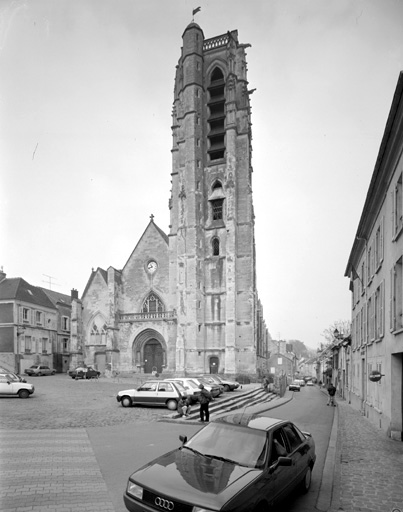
(152, 267)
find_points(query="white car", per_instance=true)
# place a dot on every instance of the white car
(11, 385)
(153, 392)
(191, 383)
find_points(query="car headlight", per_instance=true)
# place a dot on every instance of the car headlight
(134, 490)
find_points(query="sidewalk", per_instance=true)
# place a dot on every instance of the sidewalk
(368, 472)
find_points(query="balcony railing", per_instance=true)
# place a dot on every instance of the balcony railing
(141, 317)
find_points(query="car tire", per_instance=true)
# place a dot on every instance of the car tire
(227, 388)
(306, 481)
(172, 405)
(23, 393)
(126, 401)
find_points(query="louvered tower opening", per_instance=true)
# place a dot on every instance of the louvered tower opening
(216, 119)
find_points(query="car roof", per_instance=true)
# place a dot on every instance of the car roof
(254, 421)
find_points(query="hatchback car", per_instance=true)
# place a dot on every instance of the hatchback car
(12, 385)
(39, 370)
(229, 385)
(294, 386)
(84, 372)
(272, 458)
(153, 392)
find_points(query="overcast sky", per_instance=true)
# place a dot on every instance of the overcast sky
(86, 93)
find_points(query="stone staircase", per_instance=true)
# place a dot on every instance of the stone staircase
(228, 402)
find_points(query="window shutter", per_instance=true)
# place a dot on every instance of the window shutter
(381, 309)
(391, 315)
(381, 250)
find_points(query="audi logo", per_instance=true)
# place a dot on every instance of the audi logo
(165, 504)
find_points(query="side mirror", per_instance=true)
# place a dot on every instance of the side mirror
(183, 439)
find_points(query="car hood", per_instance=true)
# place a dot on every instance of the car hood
(186, 476)
(129, 392)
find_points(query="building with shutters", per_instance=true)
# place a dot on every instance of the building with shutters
(375, 269)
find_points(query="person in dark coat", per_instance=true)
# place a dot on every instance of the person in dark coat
(331, 390)
(204, 399)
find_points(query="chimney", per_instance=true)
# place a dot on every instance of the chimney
(74, 294)
(3, 275)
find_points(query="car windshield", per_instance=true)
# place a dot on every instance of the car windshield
(243, 446)
(180, 388)
(191, 384)
(34, 366)
(12, 377)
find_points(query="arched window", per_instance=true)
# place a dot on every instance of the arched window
(215, 243)
(98, 331)
(152, 304)
(216, 119)
(216, 200)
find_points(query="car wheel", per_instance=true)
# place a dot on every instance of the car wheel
(23, 393)
(172, 405)
(226, 388)
(126, 401)
(306, 482)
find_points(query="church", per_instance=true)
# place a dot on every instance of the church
(186, 301)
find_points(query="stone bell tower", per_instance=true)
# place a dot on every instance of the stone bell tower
(211, 239)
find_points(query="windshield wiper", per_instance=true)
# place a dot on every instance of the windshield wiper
(224, 459)
(193, 450)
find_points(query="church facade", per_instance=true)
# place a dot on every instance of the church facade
(186, 302)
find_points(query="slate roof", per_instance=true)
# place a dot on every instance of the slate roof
(56, 297)
(16, 288)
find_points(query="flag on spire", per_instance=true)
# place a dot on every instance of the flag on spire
(195, 11)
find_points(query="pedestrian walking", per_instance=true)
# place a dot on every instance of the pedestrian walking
(265, 383)
(204, 399)
(331, 390)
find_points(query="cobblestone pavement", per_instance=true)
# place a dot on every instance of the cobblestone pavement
(47, 461)
(61, 402)
(369, 466)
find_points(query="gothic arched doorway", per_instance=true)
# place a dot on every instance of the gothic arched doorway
(149, 351)
(153, 356)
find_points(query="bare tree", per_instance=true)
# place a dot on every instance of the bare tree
(336, 330)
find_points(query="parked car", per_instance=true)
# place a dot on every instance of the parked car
(14, 375)
(39, 370)
(294, 386)
(84, 372)
(153, 392)
(301, 382)
(214, 389)
(12, 385)
(229, 385)
(190, 387)
(309, 383)
(272, 458)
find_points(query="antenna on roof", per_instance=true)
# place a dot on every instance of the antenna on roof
(50, 283)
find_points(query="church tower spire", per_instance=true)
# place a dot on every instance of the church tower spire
(211, 240)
